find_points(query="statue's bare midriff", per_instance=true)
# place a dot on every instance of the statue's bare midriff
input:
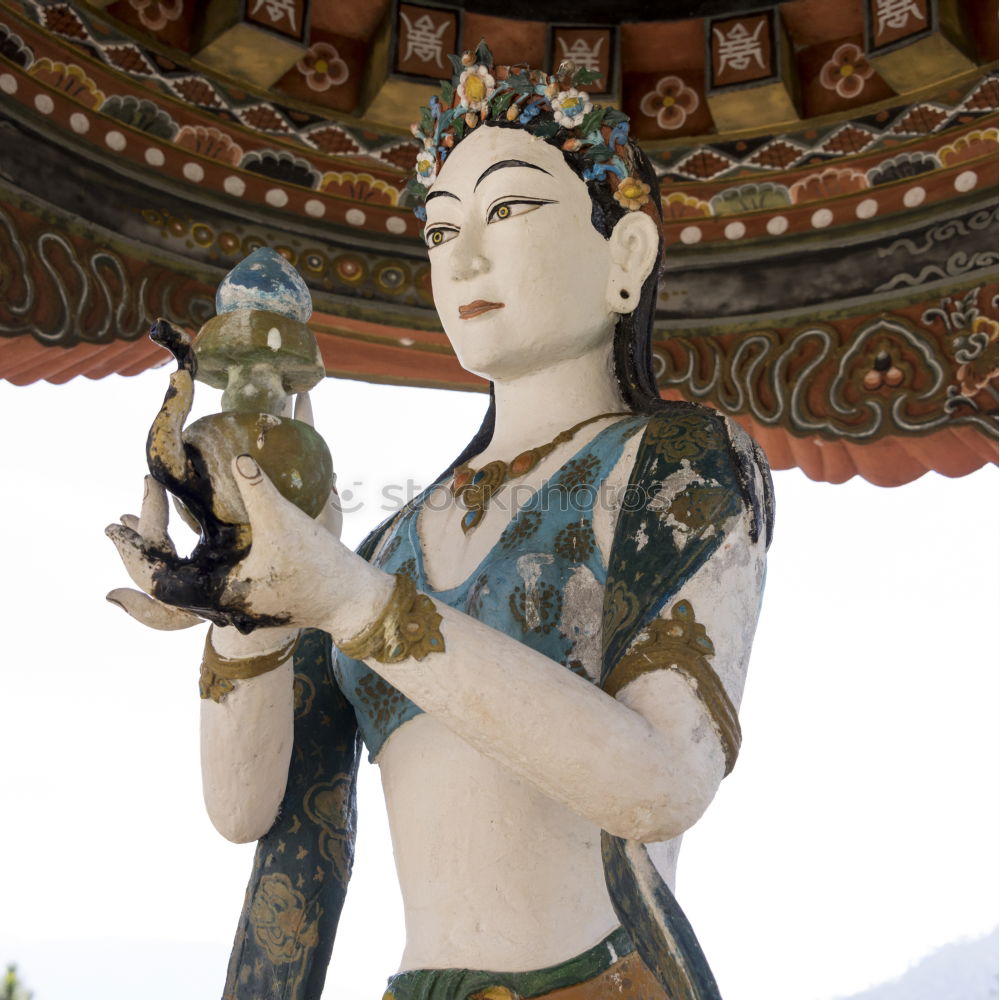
(517, 884)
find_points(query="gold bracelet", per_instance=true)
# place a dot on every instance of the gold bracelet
(218, 672)
(408, 626)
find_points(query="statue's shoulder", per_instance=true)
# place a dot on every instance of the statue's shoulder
(691, 439)
(693, 435)
(712, 429)
(679, 419)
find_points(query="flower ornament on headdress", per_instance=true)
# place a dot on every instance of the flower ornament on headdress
(570, 107)
(550, 106)
(632, 193)
(426, 165)
(475, 87)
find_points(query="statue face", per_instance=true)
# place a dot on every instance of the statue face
(519, 273)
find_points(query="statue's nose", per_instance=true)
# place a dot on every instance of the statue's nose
(468, 265)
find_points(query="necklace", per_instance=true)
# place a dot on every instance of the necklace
(476, 487)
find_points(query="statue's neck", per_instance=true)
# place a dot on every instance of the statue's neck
(532, 409)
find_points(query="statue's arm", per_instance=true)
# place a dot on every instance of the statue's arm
(643, 764)
(246, 737)
(246, 731)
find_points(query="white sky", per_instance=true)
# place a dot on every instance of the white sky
(857, 833)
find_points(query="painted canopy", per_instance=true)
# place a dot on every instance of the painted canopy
(827, 171)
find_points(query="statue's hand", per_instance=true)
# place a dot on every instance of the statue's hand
(294, 573)
(297, 570)
(207, 583)
(151, 612)
(151, 528)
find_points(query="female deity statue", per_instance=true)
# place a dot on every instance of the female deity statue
(543, 652)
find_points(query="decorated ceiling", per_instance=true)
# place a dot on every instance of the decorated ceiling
(828, 174)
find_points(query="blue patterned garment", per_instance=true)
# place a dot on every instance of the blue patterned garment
(520, 585)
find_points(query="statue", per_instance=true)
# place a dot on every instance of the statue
(543, 652)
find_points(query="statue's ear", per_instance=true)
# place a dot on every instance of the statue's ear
(635, 243)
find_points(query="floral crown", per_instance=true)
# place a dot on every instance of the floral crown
(550, 106)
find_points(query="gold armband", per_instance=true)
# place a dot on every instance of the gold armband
(407, 626)
(681, 643)
(218, 672)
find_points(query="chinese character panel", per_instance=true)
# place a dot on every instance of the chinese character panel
(424, 37)
(891, 21)
(284, 17)
(741, 49)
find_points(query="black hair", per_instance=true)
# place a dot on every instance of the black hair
(632, 350)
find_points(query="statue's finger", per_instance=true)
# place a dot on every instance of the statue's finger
(130, 521)
(260, 496)
(152, 613)
(139, 563)
(154, 516)
(304, 409)
(331, 516)
(270, 515)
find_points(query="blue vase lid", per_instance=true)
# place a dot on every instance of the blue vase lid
(265, 280)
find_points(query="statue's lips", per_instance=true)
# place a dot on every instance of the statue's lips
(477, 308)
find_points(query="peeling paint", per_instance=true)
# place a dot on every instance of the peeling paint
(641, 538)
(264, 423)
(583, 601)
(529, 568)
(668, 490)
(676, 483)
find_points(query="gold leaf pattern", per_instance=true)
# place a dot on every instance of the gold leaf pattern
(327, 805)
(621, 609)
(303, 693)
(684, 435)
(698, 507)
(279, 920)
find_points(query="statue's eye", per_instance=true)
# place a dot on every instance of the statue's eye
(438, 235)
(508, 209)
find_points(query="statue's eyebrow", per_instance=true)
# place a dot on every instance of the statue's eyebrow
(507, 163)
(441, 194)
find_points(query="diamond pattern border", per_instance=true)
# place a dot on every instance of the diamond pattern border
(709, 161)
(785, 152)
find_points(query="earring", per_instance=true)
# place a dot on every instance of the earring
(624, 302)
